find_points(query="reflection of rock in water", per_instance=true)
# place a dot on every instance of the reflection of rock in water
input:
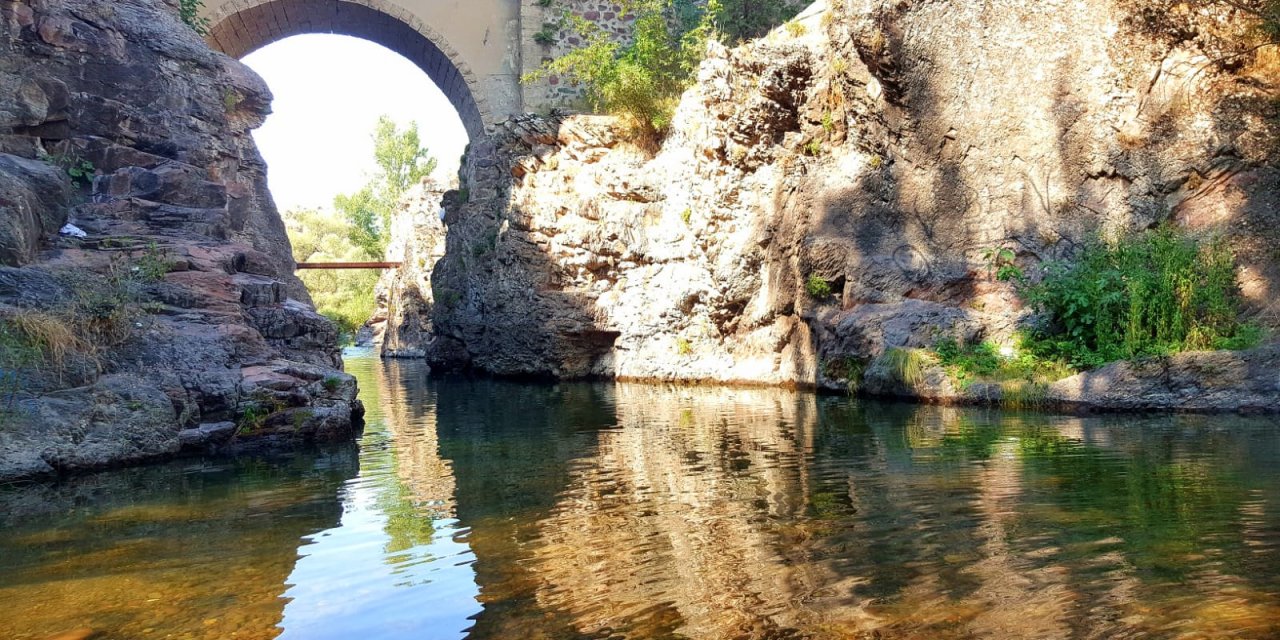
(184, 550)
(408, 412)
(638, 512)
(672, 524)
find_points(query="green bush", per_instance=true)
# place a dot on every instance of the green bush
(189, 11)
(817, 287)
(740, 20)
(640, 82)
(1148, 294)
(1011, 366)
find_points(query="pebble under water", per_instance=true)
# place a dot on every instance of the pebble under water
(486, 509)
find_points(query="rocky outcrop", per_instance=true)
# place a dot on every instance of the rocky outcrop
(881, 148)
(175, 296)
(401, 325)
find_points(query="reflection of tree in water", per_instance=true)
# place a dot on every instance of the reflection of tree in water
(401, 457)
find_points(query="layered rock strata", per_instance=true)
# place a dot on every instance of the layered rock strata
(187, 327)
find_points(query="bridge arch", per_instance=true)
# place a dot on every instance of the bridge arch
(240, 27)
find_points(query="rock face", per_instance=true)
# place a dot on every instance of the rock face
(182, 310)
(401, 325)
(883, 148)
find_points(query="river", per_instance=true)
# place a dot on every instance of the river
(488, 509)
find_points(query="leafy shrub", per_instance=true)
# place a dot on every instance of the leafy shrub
(740, 20)
(189, 11)
(640, 82)
(1015, 368)
(547, 35)
(847, 368)
(1148, 294)
(818, 288)
(968, 360)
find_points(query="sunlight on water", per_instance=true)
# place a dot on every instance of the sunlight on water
(484, 509)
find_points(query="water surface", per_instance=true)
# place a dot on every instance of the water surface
(482, 509)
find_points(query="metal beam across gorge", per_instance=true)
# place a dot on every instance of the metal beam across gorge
(348, 265)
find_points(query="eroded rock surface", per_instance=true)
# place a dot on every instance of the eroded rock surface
(883, 148)
(116, 118)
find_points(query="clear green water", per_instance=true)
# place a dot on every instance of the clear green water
(498, 510)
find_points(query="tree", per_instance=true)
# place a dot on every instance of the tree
(344, 296)
(402, 162)
(401, 157)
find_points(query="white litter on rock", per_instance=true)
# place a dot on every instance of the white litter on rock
(72, 230)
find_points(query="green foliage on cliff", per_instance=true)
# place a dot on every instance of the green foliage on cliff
(640, 82)
(189, 11)
(817, 287)
(740, 20)
(346, 297)
(1149, 294)
(402, 162)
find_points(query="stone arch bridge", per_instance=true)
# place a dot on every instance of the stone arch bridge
(474, 50)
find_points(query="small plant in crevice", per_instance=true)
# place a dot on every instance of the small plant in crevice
(828, 123)
(813, 148)
(80, 171)
(547, 36)
(254, 415)
(153, 265)
(684, 347)
(230, 100)
(796, 29)
(817, 287)
(545, 3)
(252, 418)
(687, 215)
(846, 368)
(331, 383)
(1002, 266)
(300, 418)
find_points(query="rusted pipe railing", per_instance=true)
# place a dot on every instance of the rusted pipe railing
(348, 265)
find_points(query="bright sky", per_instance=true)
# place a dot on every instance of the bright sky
(329, 91)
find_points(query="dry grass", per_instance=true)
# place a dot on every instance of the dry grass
(52, 335)
(907, 366)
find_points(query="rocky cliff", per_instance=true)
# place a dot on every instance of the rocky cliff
(169, 318)
(883, 147)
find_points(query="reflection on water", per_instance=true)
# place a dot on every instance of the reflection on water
(486, 509)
